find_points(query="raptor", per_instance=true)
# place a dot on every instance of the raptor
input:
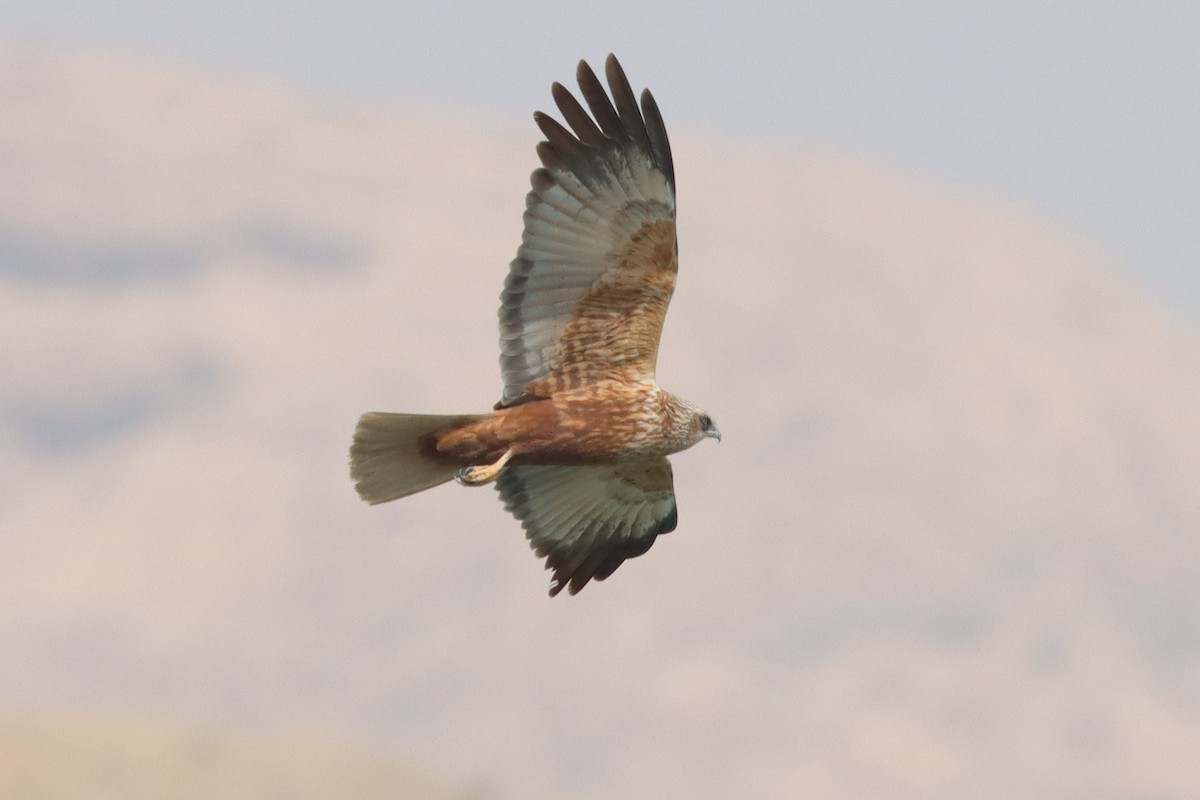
(577, 446)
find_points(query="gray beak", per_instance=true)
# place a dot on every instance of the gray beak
(714, 433)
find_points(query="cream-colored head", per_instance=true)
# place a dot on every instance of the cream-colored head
(696, 425)
(701, 425)
(685, 424)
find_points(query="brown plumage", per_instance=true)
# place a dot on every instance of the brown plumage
(577, 445)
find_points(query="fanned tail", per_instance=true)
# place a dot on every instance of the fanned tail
(391, 457)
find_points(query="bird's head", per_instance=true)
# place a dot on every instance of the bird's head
(701, 425)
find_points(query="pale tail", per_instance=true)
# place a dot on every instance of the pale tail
(386, 461)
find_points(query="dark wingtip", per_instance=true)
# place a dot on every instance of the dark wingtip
(583, 70)
(656, 132)
(668, 522)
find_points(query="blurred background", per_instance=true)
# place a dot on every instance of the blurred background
(938, 287)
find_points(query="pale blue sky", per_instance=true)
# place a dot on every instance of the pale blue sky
(1086, 112)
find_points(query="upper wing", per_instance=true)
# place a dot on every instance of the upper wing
(586, 295)
(587, 520)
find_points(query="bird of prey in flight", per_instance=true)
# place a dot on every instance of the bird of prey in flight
(578, 444)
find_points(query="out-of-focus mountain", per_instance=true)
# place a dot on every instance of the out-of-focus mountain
(948, 547)
(56, 758)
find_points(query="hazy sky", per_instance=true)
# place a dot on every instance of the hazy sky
(1087, 112)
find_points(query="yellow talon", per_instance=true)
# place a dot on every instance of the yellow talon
(478, 476)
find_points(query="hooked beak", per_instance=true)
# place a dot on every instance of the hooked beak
(714, 433)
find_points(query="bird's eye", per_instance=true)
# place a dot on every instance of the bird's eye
(705, 422)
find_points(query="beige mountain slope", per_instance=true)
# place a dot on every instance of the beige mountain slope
(948, 547)
(57, 758)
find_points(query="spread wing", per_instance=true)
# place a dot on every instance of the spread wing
(586, 295)
(587, 520)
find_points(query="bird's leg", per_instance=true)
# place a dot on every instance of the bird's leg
(478, 476)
